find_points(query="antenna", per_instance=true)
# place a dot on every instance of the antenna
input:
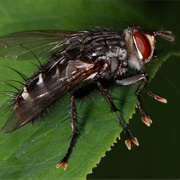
(165, 35)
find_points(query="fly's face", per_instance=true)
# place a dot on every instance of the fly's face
(141, 45)
(75, 57)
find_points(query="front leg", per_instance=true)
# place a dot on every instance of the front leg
(143, 78)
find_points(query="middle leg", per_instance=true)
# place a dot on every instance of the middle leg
(130, 138)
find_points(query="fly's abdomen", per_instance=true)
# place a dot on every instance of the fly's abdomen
(36, 96)
(43, 89)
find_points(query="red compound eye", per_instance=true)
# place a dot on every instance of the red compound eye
(142, 44)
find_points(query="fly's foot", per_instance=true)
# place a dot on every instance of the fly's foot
(129, 142)
(130, 139)
(155, 96)
(160, 99)
(63, 164)
(146, 120)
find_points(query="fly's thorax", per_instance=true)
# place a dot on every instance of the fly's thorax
(96, 44)
(109, 47)
(140, 46)
(73, 51)
(118, 57)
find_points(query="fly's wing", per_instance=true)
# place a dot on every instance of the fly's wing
(29, 45)
(46, 94)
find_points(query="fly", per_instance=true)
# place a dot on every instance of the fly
(74, 58)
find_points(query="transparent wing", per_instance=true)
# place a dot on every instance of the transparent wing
(32, 108)
(29, 45)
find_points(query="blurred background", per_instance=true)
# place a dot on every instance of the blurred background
(158, 154)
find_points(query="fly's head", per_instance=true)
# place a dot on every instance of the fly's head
(141, 45)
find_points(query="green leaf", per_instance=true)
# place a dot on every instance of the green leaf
(34, 150)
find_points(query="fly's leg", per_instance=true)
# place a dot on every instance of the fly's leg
(155, 96)
(145, 118)
(75, 132)
(134, 79)
(130, 138)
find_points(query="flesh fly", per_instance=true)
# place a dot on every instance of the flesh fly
(77, 57)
